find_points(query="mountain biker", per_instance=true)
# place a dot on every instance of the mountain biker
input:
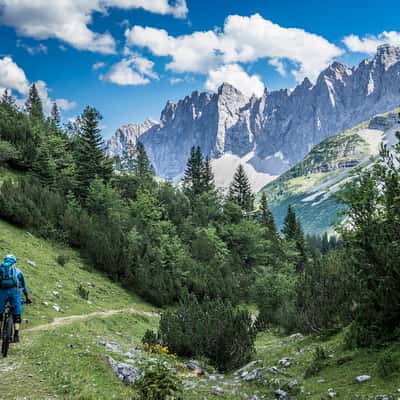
(12, 282)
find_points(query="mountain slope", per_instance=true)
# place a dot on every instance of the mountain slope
(68, 360)
(310, 185)
(271, 133)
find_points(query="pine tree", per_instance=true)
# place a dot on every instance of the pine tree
(126, 163)
(8, 100)
(90, 158)
(290, 228)
(267, 219)
(193, 180)
(208, 176)
(34, 105)
(240, 190)
(293, 231)
(142, 166)
(55, 116)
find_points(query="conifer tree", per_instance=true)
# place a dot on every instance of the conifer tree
(208, 176)
(34, 105)
(266, 218)
(240, 190)
(142, 166)
(293, 231)
(127, 162)
(193, 180)
(7, 99)
(290, 228)
(55, 116)
(90, 158)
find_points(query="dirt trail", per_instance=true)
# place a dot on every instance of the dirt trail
(61, 321)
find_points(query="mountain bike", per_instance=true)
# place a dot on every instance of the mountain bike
(8, 329)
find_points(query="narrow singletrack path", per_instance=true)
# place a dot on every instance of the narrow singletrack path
(61, 321)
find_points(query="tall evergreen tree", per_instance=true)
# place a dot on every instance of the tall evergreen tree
(267, 219)
(55, 116)
(240, 190)
(90, 157)
(142, 166)
(34, 105)
(208, 176)
(193, 180)
(290, 228)
(293, 231)
(7, 99)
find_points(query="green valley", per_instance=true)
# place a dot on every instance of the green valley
(311, 185)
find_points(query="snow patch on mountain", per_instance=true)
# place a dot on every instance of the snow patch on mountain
(225, 167)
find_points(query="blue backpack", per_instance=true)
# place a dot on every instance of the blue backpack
(8, 275)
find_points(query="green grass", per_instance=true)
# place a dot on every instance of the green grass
(48, 277)
(340, 370)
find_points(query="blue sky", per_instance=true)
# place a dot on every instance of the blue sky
(128, 57)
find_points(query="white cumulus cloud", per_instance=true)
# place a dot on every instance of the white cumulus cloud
(13, 77)
(69, 20)
(131, 71)
(242, 40)
(47, 101)
(237, 77)
(369, 43)
(279, 66)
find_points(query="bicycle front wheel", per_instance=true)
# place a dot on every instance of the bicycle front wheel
(7, 336)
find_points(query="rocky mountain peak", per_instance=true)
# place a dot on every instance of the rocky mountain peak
(387, 55)
(271, 133)
(226, 89)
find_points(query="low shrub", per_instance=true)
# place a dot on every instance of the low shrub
(159, 382)
(62, 259)
(150, 338)
(83, 292)
(387, 364)
(213, 329)
(318, 363)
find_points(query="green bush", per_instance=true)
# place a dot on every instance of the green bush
(83, 292)
(387, 364)
(275, 295)
(159, 382)
(62, 259)
(318, 363)
(150, 338)
(214, 329)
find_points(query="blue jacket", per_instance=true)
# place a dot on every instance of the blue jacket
(21, 281)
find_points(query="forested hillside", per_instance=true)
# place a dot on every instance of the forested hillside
(198, 251)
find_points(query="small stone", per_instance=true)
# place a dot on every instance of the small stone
(331, 395)
(124, 372)
(250, 376)
(280, 394)
(57, 307)
(193, 365)
(218, 390)
(59, 286)
(363, 378)
(45, 303)
(293, 383)
(31, 263)
(284, 362)
(296, 336)
(56, 294)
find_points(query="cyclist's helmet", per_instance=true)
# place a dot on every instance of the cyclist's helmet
(10, 259)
